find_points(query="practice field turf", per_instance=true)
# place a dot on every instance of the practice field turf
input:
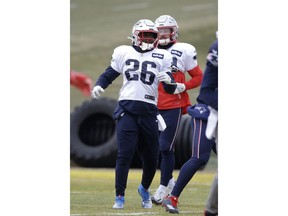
(92, 193)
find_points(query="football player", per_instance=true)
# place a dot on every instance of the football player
(172, 107)
(81, 81)
(143, 67)
(204, 136)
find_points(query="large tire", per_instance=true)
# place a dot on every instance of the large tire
(93, 134)
(93, 141)
(183, 142)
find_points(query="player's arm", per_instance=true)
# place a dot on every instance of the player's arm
(165, 76)
(110, 74)
(209, 87)
(167, 81)
(195, 81)
(196, 75)
(104, 81)
(107, 77)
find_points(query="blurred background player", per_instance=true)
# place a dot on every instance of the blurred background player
(211, 208)
(204, 132)
(172, 107)
(81, 81)
(143, 67)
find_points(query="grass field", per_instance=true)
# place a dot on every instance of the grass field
(92, 193)
(98, 26)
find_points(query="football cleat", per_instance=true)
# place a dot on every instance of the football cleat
(170, 186)
(170, 204)
(159, 196)
(146, 199)
(119, 202)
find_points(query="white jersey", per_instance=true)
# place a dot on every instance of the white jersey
(139, 72)
(184, 56)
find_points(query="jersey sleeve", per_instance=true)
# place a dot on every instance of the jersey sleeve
(196, 75)
(117, 62)
(190, 57)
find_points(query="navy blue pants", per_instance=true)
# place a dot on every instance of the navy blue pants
(136, 133)
(167, 140)
(201, 150)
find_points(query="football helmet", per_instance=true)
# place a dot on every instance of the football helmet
(167, 28)
(145, 34)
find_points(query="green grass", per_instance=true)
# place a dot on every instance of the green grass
(99, 26)
(92, 193)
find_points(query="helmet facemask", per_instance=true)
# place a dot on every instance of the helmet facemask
(168, 29)
(166, 35)
(147, 40)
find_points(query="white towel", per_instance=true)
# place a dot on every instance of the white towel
(161, 123)
(212, 124)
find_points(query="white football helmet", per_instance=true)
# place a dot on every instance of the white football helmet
(167, 28)
(145, 34)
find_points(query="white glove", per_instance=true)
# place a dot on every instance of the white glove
(164, 77)
(180, 88)
(161, 123)
(95, 93)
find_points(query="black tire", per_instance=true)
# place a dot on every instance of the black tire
(93, 134)
(93, 141)
(183, 140)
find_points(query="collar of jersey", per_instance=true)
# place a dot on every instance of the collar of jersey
(138, 49)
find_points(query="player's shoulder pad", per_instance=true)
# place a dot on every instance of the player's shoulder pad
(122, 48)
(180, 47)
(184, 45)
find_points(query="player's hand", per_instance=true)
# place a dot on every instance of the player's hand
(164, 77)
(95, 93)
(180, 88)
(174, 68)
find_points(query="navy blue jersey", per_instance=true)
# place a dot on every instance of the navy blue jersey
(209, 87)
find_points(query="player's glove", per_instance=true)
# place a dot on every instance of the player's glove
(174, 68)
(95, 93)
(164, 77)
(180, 88)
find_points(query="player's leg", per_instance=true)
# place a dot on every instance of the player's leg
(127, 138)
(149, 151)
(167, 140)
(211, 208)
(201, 149)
